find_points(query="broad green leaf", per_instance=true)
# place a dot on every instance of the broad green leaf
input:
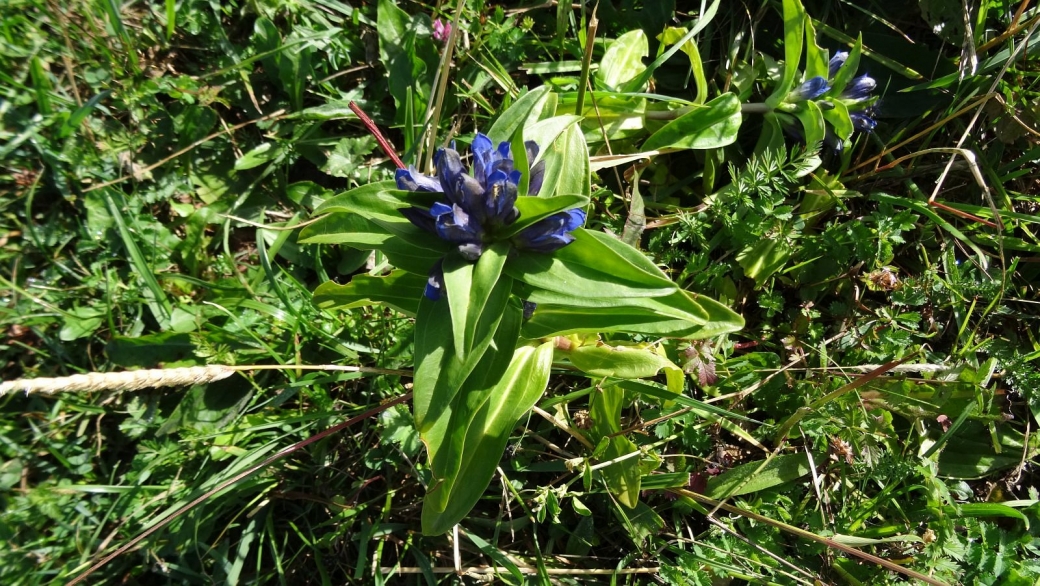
(439, 372)
(817, 63)
(517, 115)
(468, 286)
(490, 411)
(672, 35)
(594, 265)
(601, 360)
(560, 320)
(520, 163)
(400, 290)
(838, 117)
(547, 131)
(609, 115)
(712, 125)
(638, 82)
(637, 315)
(533, 209)
(622, 477)
(763, 259)
(984, 510)
(813, 126)
(406, 246)
(566, 165)
(345, 228)
(794, 28)
(259, 155)
(377, 200)
(970, 454)
(623, 59)
(848, 70)
(756, 476)
(80, 322)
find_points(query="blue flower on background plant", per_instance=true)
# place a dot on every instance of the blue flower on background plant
(856, 95)
(481, 204)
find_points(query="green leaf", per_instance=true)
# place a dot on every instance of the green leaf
(638, 83)
(80, 323)
(377, 200)
(813, 126)
(263, 153)
(566, 164)
(400, 290)
(533, 209)
(848, 69)
(623, 60)
(672, 35)
(712, 125)
(406, 246)
(594, 265)
(518, 114)
(817, 63)
(72, 124)
(839, 119)
(763, 259)
(984, 510)
(484, 417)
(469, 285)
(601, 360)
(623, 477)
(757, 476)
(679, 315)
(439, 371)
(794, 28)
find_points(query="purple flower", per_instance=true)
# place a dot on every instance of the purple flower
(863, 120)
(550, 234)
(441, 30)
(810, 90)
(859, 88)
(480, 205)
(836, 62)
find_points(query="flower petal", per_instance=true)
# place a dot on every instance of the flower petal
(836, 62)
(449, 169)
(411, 180)
(435, 282)
(550, 234)
(860, 88)
(534, 186)
(810, 90)
(421, 218)
(500, 200)
(483, 155)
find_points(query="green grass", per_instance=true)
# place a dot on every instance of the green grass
(157, 156)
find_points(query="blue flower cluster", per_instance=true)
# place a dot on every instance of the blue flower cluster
(856, 95)
(480, 205)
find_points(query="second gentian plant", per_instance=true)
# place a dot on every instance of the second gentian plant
(490, 257)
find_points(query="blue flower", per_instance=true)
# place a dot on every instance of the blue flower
(480, 205)
(810, 90)
(550, 234)
(859, 89)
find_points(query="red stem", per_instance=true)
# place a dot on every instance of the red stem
(374, 130)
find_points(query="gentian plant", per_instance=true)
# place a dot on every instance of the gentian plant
(505, 284)
(481, 207)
